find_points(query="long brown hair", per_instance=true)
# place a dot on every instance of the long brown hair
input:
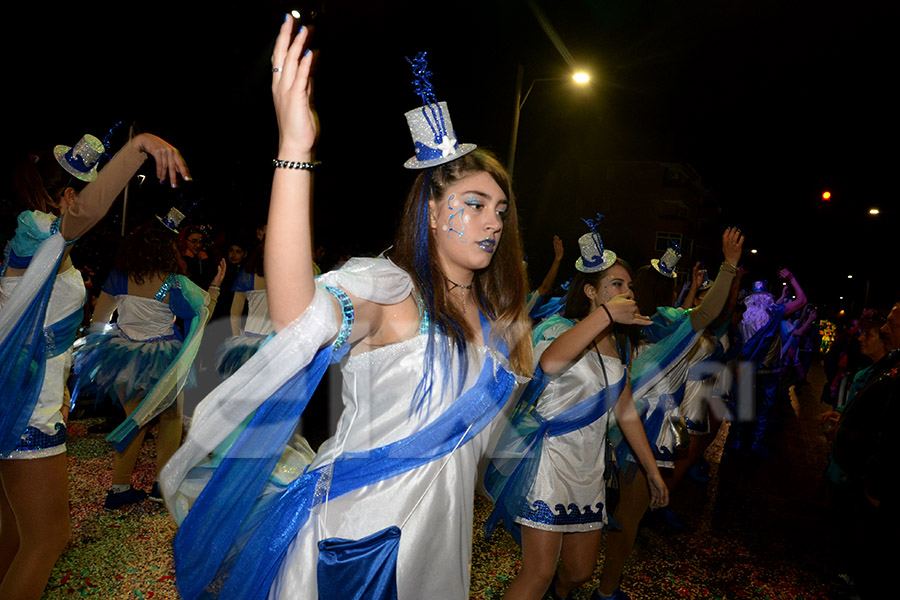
(499, 288)
(40, 181)
(149, 250)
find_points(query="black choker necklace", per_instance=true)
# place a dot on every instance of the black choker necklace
(459, 285)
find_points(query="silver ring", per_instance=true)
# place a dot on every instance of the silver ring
(276, 69)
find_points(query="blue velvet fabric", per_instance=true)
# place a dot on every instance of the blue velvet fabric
(363, 569)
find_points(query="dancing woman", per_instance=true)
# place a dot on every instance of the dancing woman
(425, 382)
(658, 379)
(249, 289)
(143, 361)
(563, 512)
(41, 305)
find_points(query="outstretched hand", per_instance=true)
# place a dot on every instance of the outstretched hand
(626, 311)
(169, 163)
(732, 245)
(557, 248)
(292, 91)
(220, 273)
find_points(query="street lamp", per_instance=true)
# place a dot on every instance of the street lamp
(580, 77)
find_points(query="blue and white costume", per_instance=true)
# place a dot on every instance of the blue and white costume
(568, 493)
(142, 355)
(236, 350)
(40, 313)
(257, 514)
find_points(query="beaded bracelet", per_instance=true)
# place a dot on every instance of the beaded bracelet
(608, 314)
(289, 164)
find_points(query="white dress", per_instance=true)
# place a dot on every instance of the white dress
(700, 387)
(236, 350)
(378, 388)
(569, 493)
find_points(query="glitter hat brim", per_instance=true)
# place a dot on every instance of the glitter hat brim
(461, 150)
(654, 262)
(60, 152)
(609, 259)
(167, 226)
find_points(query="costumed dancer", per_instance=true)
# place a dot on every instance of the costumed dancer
(143, 361)
(425, 381)
(553, 498)
(763, 337)
(658, 377)
(249, 289)
(41, 307)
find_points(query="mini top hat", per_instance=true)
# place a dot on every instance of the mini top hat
(665, 265)
(706, 283)
(432, 130)
(81, 159)
(593, 256)
(760, 287)
(172, 220)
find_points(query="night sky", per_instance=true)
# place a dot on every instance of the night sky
(771, 102)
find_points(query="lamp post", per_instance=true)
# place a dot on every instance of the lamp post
(580, 78)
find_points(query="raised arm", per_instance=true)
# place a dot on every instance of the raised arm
(696, 280)
(798, 302)
(569, 346)
(705, 314)
(288, 259)
(547, 285)
(94, 200)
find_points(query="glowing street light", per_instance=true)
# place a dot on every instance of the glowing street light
(826, 195)
(874, 211)
(580, 77)
(849, 276)
(754, 251)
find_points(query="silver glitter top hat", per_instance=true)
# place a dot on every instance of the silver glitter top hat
(172, 221)
(593, 256)
(433, 137)
(706, 282)
(81, 159)
(666, 264)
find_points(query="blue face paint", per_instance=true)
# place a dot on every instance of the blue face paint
(455, 212)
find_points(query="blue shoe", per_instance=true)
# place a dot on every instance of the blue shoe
(699, 474)
(116, 500)
(665, 516)
(617, 595)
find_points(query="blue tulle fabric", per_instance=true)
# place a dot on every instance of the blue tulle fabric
(235, 351)
(23, 356)
(245, 523)
(672, 337)
(108, 365)
(512, 470)
(551, 306)
(363, 569)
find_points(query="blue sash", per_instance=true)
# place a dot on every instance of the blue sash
(23, 360)
(512, 470)
(237, 533)
(61, 335)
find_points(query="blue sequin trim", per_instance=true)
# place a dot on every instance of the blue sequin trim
(541, 513)
(170, 282)
(35, 439)
(348, 315)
